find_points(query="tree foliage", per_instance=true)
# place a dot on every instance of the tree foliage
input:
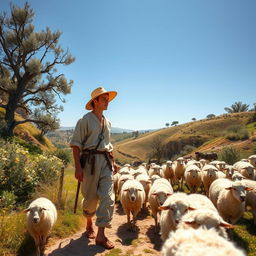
(174, 123)
(237, 107)
(29, 79)
(210, 116)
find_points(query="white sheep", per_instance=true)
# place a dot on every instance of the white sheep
(122, 179)
(140, 170)
(158, 193)
(237, 176)
(251, 197)
(207, 218)
(126, 170)
(209, 174)
(168, 171)
(246, 169)
(229, 198)
(132, 197)
(174, 207)
(229, 171)
(198, 242)
(146, 183)
(41, 216)
(252, 160)
(155, 169)
(192, 177)
(154, 177)
(179, 169)
(198, 201)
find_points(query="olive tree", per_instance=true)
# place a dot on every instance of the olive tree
(29, 80)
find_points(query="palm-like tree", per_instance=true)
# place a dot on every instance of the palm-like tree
(237, 107)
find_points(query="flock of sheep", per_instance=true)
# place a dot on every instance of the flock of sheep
(195, 223)
(190, 224)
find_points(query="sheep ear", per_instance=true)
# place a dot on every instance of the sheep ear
(154, 194)
(248, 189)
(26, 210)
(191, 208)
(139, 189)
(161, 208)
(149, 182)
(44, 209)
(126, 190)
(226, 225)
(229, 188)
(191, 223)
(168, 194)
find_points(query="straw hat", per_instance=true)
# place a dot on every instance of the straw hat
(97, 92)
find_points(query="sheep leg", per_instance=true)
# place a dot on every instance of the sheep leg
(254, 215)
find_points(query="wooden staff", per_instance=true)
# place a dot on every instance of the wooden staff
(77, 194)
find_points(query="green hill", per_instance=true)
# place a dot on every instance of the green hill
(202, 135)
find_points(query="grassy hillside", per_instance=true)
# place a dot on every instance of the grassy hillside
(203, 135)
(27, 133)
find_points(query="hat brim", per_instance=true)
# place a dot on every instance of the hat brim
(111, 94)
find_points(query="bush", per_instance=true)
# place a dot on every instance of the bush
(64, 155)
(230, 155)
(237, 132)
(20, 172)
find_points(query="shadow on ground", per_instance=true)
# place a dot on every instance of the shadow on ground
(78, 247)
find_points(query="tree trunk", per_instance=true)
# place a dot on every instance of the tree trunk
(10, 114)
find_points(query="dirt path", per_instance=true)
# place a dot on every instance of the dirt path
(143, 242)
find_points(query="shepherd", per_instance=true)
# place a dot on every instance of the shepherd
(94, 165)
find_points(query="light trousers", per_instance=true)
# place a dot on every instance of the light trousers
(97, 189)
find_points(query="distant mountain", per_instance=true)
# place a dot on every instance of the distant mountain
(113, 129)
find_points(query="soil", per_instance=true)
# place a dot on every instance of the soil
(144, 241)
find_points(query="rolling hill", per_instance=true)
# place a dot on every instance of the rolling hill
(202, 135)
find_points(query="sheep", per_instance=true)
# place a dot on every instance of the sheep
(229, 171)
(132, 198)
(116, 177)
(41, 216)
(122, 180)
(229, 198)
(154, 177)
(237, 176)
(209, 174)
(126, 170)
(140, 170)
(174, 207)
(146, 183)
(251, 197)
(207, 218)
(198, 201)
(168, 171)
(192, 177)
(158, 193)
(246, 169)
(155, 169)
(252, 160)
(202, 163)
(198, 242)
(193, 162)
(179, 169)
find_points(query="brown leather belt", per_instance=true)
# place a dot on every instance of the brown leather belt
(89, 156)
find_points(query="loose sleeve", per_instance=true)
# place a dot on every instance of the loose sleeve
(80, 134)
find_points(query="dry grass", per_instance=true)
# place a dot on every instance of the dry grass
(212, 130)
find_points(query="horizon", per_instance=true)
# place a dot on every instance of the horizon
(168, 60)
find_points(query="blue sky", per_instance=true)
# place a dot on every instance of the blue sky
(169, 60)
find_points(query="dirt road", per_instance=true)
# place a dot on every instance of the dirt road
(142, 242)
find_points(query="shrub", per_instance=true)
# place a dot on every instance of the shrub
(47, 168)
(237, 132)
(20, 172)
(64, 155)
(230, 155)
